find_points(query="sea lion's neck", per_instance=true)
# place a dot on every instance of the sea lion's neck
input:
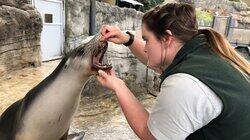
(51, 111)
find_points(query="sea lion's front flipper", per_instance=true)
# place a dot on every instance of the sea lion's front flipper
(76, 135)
(65, 136)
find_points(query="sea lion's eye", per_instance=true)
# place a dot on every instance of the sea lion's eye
(65, 66)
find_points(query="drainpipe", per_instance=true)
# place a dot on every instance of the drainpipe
(229, 21)
(65, 31)
(92, 24)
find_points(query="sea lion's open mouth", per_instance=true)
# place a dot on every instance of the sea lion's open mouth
(98, 58)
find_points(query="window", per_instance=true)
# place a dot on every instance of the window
(48, 18)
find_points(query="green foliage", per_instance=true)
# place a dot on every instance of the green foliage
(204, 16)
(148, 4)
(235, 0)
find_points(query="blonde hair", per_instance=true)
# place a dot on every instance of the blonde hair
(223, 48)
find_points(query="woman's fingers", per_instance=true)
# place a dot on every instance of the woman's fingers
(108, 79)
(104, 29)
(111, 34)
(102, 77)
(112, 72)
(108, 31)
(102, 74)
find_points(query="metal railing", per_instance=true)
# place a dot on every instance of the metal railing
(237, 34)
(227, 26)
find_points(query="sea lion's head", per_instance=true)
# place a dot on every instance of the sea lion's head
(88, 57)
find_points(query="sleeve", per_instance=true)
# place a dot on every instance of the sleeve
(184, 105)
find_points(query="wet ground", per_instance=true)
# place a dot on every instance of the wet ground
(99, 117)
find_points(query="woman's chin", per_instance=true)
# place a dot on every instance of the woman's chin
(156, 69)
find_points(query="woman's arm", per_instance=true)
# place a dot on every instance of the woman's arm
(115, 35)
(137, 48)
(135, 113)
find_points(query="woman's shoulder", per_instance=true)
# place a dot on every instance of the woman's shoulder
(187, 102)
(183, 79)
(180, 76)
(187, 89)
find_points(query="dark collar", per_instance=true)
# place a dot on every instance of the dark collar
(190, 46)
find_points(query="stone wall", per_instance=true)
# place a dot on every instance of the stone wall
(14, 3)
(125, 18)
(247, 2)
(20, 28)
(228, 6)
(77, 20)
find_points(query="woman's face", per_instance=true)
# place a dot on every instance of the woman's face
(154, 48)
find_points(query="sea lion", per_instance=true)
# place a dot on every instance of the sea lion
(45, 113)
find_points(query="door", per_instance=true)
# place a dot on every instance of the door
(52, 34)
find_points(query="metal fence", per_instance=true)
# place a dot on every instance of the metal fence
(237, 34)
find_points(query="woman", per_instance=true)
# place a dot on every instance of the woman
(205, 89)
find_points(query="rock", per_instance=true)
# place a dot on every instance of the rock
(2, 70)
(77, 19)
(75, 134)
(125, 18)
(13, 3)
(215, 5)
(239, 6)
(20, 28)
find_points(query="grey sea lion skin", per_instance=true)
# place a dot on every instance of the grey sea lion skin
(45, 113)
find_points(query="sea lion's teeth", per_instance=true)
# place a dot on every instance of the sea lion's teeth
(106, 64)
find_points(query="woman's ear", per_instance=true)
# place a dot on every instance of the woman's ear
(169, 32)
(168, 37)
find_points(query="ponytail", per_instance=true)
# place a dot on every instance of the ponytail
(223, 48)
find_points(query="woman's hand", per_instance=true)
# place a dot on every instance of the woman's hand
(113, 34)
(109, 80)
